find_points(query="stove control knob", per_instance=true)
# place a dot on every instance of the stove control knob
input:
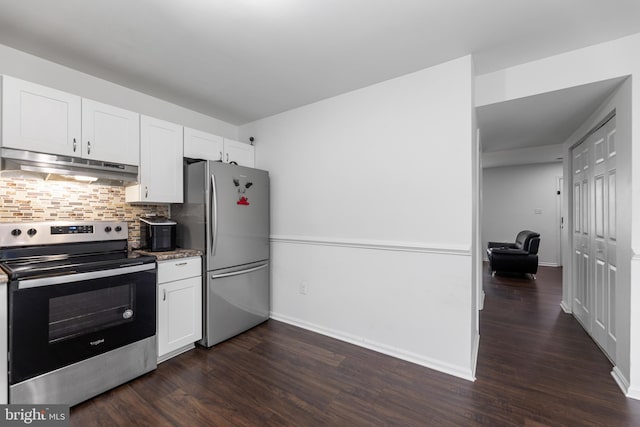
(107, 229)
(32, 232)
(16, 232)
(118, 228)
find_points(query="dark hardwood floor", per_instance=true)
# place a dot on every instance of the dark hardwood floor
(536, 367)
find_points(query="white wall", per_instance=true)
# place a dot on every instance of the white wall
(618, 58)
(24, 66)
(372, 210)
(511, 197)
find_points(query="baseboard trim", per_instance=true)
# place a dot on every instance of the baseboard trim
(622, 382)
(437, 365)
(633, 393)
(373, 245)
(482, 296)
(565, 307)
(474, 355)
(176, 352)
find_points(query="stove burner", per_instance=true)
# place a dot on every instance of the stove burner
(41, 249)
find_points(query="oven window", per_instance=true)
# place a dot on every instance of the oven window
(91, 311)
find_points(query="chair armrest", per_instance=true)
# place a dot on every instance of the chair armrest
(501, 245)
(507, 251)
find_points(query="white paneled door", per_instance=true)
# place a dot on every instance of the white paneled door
(594, 235)
(581, 253)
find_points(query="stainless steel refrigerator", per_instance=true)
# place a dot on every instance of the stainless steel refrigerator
(225, 214)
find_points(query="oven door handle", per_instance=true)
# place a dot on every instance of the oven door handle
(78, 277)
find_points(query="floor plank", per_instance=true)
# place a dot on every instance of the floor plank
(536, 367)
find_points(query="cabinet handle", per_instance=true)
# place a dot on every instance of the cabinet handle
(146, 191)
(227, 157)
(181, 263)
(88, 147)
(221, 156)
(74, 145)
(164, 295)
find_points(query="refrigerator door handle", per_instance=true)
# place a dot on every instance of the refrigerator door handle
(214, 224)
(237, 273)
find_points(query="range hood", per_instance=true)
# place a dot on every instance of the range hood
(51, 166)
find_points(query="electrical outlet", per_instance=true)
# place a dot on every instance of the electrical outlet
(304, 288)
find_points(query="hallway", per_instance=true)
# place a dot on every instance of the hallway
(548, 368)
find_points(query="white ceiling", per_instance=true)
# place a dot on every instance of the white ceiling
(241, 60)
(545, 119)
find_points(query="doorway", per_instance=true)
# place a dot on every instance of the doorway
(504, 122)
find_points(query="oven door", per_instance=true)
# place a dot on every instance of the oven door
(57, 321)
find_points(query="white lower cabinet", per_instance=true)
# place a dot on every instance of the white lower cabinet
(179, 306)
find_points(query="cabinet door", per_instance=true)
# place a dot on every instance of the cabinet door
(160, 163)
(179, 314)
(110, 133)
(239, 152)
(202, 145)
(41, 119)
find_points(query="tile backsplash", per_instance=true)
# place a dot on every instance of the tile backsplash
(33, 199)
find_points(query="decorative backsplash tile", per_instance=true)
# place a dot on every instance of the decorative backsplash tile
(33, 199)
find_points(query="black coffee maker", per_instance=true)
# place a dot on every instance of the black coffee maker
(157, 234)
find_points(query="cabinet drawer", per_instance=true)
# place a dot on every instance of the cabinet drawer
(177, 269)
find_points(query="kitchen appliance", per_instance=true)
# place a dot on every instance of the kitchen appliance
(82, 310)
(52, 166)
(225, 214)
(157, 234)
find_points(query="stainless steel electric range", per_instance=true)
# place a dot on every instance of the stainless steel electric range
(82, 310)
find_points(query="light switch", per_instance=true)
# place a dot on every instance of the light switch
(537, 211)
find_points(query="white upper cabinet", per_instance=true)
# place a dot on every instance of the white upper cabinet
(202, 145)
(238, 152)
(110, 133)
(206, 146)
(160, 173)
(38, 118)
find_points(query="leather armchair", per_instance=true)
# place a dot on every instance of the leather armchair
(520, 256)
